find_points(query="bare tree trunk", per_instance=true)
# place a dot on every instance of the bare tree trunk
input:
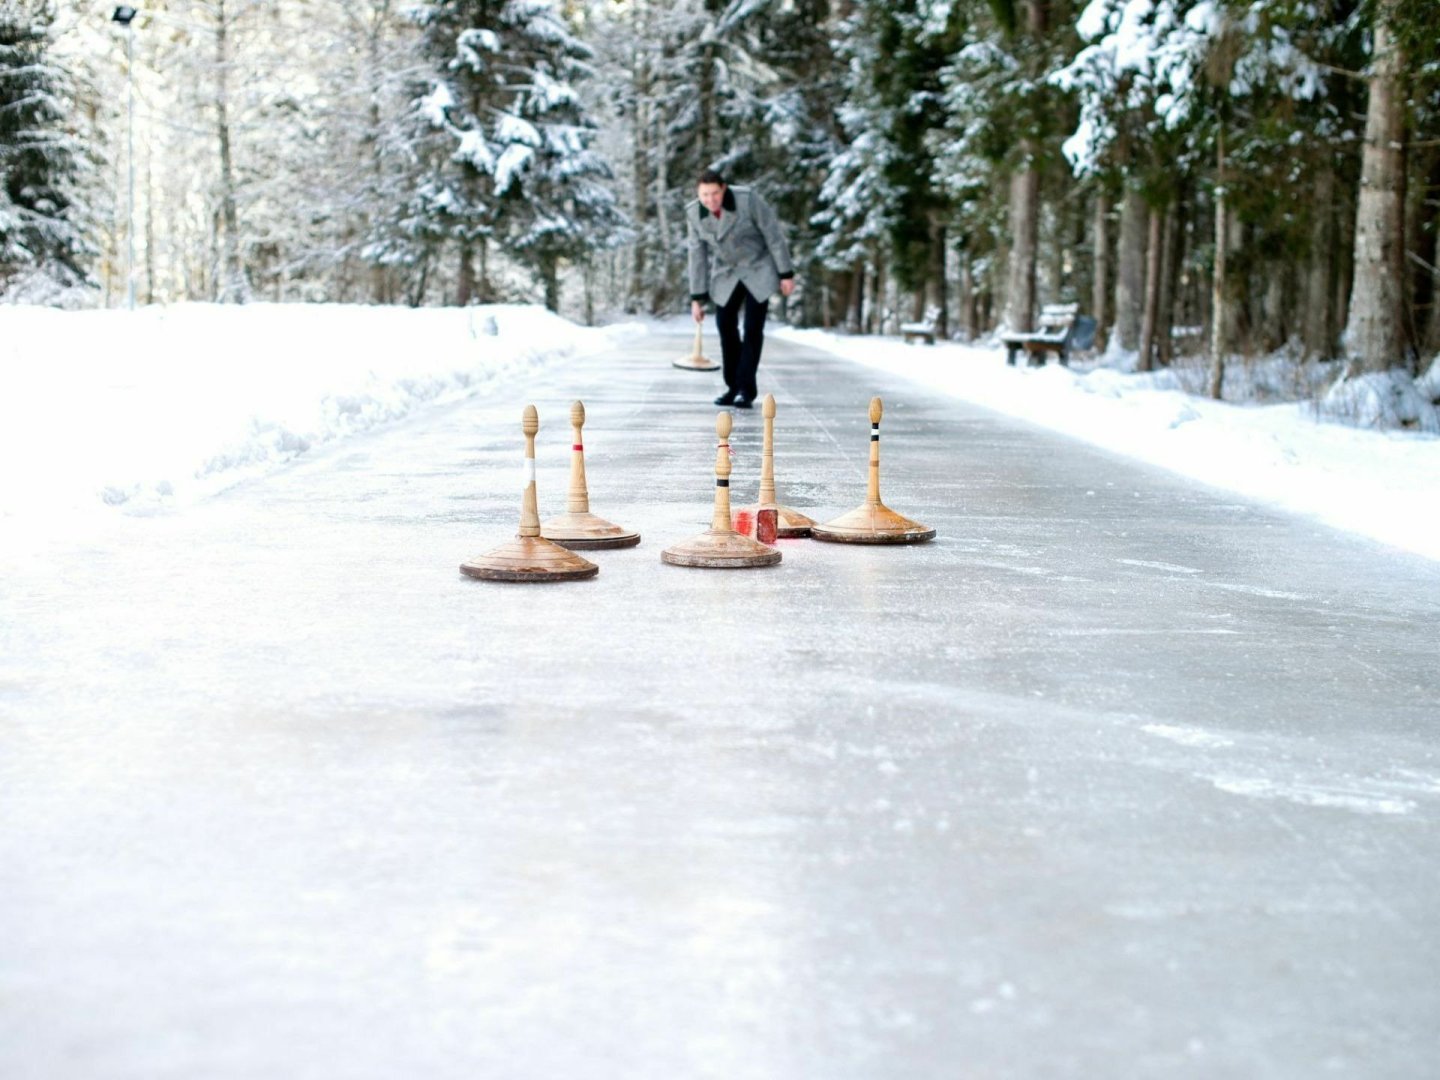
(1169, 282)
(967, 295)
(1218, 313)
(550, 277)
(1100, 287)
(380, 278)
(1130, 276)
(1427, 247)
(662, 214)
(877, 300)
(705, 100)
(1273, 327)
(937, 284)
(419, 283)
(855, 316)
(639, 211)
(1317, 329)
(234, 287)
(149, 225)
(1024, 234)
(1344, 269)
(1025, 205)
(465, 290)
(1152, 289)
(1374, 332)
(589, 279)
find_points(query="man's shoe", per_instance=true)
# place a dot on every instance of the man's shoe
(727, 398)
(742, 402)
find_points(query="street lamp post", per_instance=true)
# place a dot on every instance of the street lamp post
(125, 16)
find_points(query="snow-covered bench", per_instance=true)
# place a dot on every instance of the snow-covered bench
(925, 331)
(1060, 329)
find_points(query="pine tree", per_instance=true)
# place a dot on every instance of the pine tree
(555, 202)
(41, 162)
(519, 172)
(856, 203)
(910, 43)
(716, 92)
(801, 135)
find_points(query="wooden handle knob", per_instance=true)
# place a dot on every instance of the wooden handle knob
(767, 409)
(577, 414)
(877, 410)
(531, 424)
(723, 423)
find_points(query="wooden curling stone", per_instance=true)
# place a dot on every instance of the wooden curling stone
(720, 547)
(697, 361)
(578, 528)
(529, 557)
(789, 524)
(873, 522)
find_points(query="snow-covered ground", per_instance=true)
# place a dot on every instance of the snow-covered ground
(114, 409)
(167, 404)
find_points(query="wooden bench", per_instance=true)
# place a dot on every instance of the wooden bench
(1061, 329)
(923, 330)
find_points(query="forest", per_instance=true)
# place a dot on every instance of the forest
(1216, 177)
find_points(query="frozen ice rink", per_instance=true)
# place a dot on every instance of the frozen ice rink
(1118, 777)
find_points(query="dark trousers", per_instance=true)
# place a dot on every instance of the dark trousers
(740, 357)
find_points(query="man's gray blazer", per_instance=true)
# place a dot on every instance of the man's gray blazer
(745, 244)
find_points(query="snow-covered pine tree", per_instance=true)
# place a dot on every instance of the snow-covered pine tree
(520, 171)
(911, 43)
(556, 204)
(631, 43)
(685, 90)
(1222, 99)
(853, 216)
(801, 136)
(716, 92)
(42, 215)
(1000, 150)
(359, 165)
(851, 221)
(1005, 120)
(470, 84)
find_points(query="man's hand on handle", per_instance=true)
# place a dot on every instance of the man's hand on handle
(787, 286)
(697, 310)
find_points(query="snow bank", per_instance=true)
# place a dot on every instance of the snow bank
(1389, 399)
(1379, 483)
(164, 405)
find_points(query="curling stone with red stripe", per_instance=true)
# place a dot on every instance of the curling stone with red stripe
(578, 528)
(788, 523)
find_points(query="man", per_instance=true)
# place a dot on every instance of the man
(738, 258)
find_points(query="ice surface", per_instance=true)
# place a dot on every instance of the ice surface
(1119, 776)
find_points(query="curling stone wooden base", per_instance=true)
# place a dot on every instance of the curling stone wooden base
(720, 551)
(791, 524)
(586, 532)
(696, 363)
(529, 558)
(873, 523)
